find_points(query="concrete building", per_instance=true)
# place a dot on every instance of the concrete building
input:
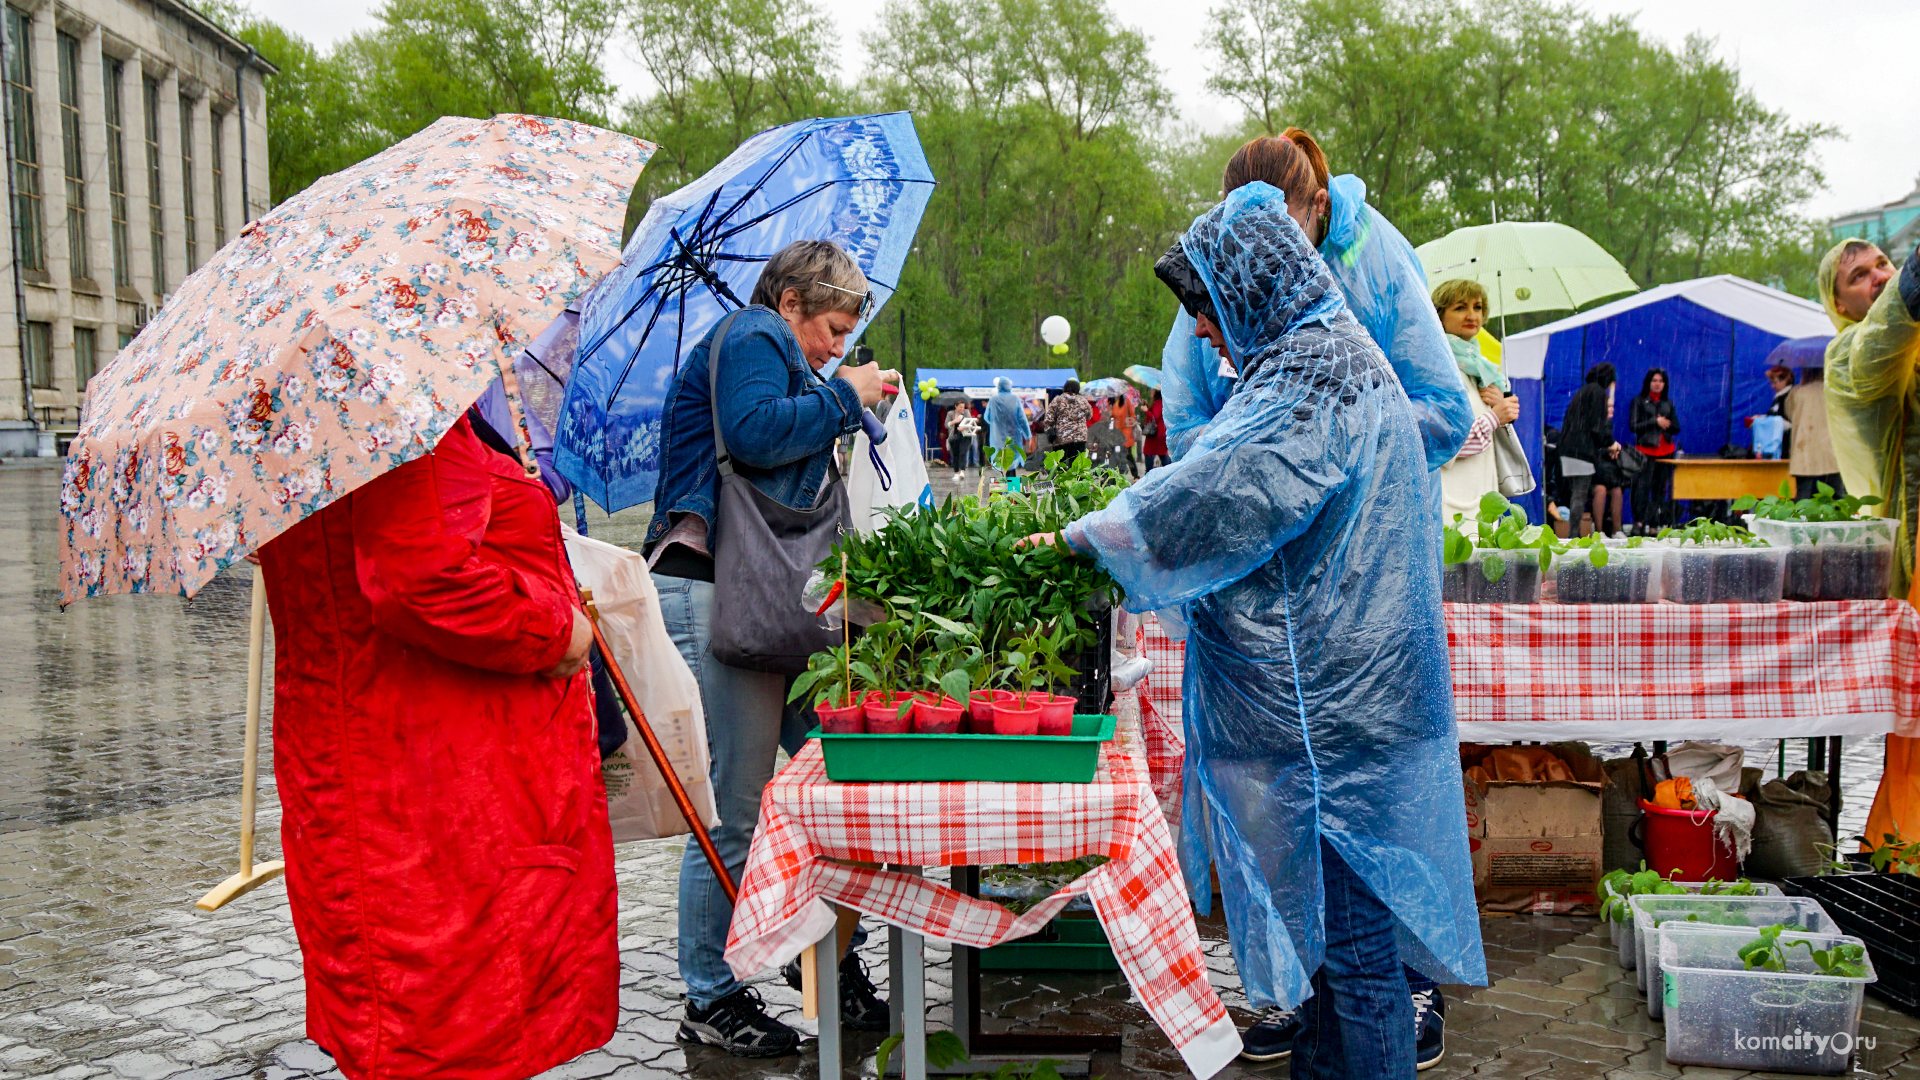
(1894, 226)
(137, 137)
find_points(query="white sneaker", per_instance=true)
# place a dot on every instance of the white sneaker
(959, 476)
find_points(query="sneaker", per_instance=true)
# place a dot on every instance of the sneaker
(1430, 1029)
(739, 1024)
(861, 1006)
(1271, 1037)
(960, 476)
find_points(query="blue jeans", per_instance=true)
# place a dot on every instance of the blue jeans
(746, 726)
(1359, 1021)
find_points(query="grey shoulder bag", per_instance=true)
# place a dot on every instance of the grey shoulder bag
(1510, 459)
(763, 553)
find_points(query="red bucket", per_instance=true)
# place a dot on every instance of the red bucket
(1682, 845)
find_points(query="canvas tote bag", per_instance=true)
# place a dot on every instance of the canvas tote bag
(764, 554)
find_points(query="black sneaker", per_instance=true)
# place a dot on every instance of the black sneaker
(739, 1024)
(1430, 1028)
(861, 1006)
(1271, 1037)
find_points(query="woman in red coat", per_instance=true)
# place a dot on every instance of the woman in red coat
(448, 859)
(1154, 447)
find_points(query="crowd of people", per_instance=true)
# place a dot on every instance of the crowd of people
(1321, 409)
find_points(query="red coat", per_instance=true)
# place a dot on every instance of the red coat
(445, 827)
(1157, 442)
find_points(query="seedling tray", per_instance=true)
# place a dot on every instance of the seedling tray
(1061, 945)
(1882, 910)
(1009, 759)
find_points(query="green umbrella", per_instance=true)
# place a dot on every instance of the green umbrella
(1527, 266)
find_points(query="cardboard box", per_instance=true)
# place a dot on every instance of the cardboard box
(1537, 845)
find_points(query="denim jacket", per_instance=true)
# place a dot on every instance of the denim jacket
(779, 418)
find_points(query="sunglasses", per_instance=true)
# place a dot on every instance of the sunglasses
(866, 298)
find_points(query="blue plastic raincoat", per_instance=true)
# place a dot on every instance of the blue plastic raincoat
(1007, 421)
(1318, 698)
(1381, 279)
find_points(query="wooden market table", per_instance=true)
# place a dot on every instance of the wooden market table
(814, 836)
(1726, 478)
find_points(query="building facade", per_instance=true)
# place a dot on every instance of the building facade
(137, 145)
(1894, 227)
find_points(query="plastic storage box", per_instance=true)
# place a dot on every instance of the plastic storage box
(1833, 560)
(1519, 583)
(1626, 938)
(1679, 914)
(1715, 574)
(1065, 944)
(1721, 1015)
(1631, 576)
(1882, 910)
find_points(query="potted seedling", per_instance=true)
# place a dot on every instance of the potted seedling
(1822, 1004)
(1616, 887)
(878, 667)
(1034, 667)
(945, 667)
(1503, 556)
(1832, 552)
(829, 679)
(1711, 563)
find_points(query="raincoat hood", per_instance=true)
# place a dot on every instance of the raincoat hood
(1829, 281)
(1260, 271)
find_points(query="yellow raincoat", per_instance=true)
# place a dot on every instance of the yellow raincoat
(1873, 399)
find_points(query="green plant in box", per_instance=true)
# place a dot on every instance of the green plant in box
(828, 673)
(1825, 505)
(1768, 953)
(1502, 526)
(879, 661)
(1034, 661)
(953, 659)
(1619, 885)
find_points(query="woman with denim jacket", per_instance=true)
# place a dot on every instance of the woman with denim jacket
(780, 419)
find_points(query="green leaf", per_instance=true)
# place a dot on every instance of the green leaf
(1493, 568)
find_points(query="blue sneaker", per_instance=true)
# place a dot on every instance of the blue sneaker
(1271, 1037)
(1430, 1028)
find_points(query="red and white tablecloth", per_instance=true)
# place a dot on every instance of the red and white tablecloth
(807, 821)
(1653, 671)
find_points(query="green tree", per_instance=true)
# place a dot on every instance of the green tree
(317, 122)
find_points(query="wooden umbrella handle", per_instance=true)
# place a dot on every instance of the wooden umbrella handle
(658, 752)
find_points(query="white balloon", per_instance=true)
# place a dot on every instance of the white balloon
(1055, 330)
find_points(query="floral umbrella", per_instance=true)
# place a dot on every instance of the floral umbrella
(337, 337)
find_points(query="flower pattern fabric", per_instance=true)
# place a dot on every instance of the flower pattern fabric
(337, 337)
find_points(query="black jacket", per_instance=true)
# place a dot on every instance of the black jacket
(1645, 411)
(1586, 432)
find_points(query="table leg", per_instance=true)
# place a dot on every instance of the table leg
(1834, 747)
(907, 994)
(826, 954)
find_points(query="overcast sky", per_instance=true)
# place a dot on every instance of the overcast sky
(1844, 66)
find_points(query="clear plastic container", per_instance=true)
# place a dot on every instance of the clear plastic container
(1723, 574)
(1631, 576)
(1833, 560)
(1721, 1015)
(1765, 908)
(1519, 583)
(1626, 938)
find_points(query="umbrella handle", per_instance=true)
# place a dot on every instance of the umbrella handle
(510, 382)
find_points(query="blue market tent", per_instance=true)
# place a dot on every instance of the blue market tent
(979, 383)
(1713, 335)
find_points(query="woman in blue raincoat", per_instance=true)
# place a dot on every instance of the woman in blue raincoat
(1007, 422)
(1322, 767)
(1379, 276)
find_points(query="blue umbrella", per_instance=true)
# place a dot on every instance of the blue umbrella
(860, 181)
(1144, 375)
(1801, 352)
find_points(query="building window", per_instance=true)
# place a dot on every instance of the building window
(156, 223)
(29, 224)
(215, 128)
(116, 71)
(189, 234)
(80, 265)
(86, 362)
(40, 354)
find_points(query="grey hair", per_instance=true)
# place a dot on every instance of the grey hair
(819, 270)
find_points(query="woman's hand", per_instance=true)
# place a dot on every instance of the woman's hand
(1493, 396)
(1614, 450)
(576, 654)
(867, 380)
(1040, 539)
(1506, 410)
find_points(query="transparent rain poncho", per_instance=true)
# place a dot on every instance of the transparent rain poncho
(1381, 279)
(1318, 702)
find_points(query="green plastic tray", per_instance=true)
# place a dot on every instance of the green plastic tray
(1013, 759)
(1064, 945)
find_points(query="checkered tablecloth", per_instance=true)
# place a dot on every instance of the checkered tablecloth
(1654, 671)
(807, 822)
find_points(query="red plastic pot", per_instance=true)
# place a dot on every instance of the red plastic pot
(1685, 841)
(935, 714)
(848, 720)
(980, 710)
(1056, 713)
(1012, 718)
(884, 715)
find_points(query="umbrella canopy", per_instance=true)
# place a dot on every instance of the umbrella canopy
(1143, 374)
(1801, 352)
(947, 399)
(860, 181)
(1107, 388)
(1527, 266)
(337, 337)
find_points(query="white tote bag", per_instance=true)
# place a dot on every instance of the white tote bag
(902, 457)
(638, 800)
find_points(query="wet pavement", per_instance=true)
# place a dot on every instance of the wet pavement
(120, 739)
